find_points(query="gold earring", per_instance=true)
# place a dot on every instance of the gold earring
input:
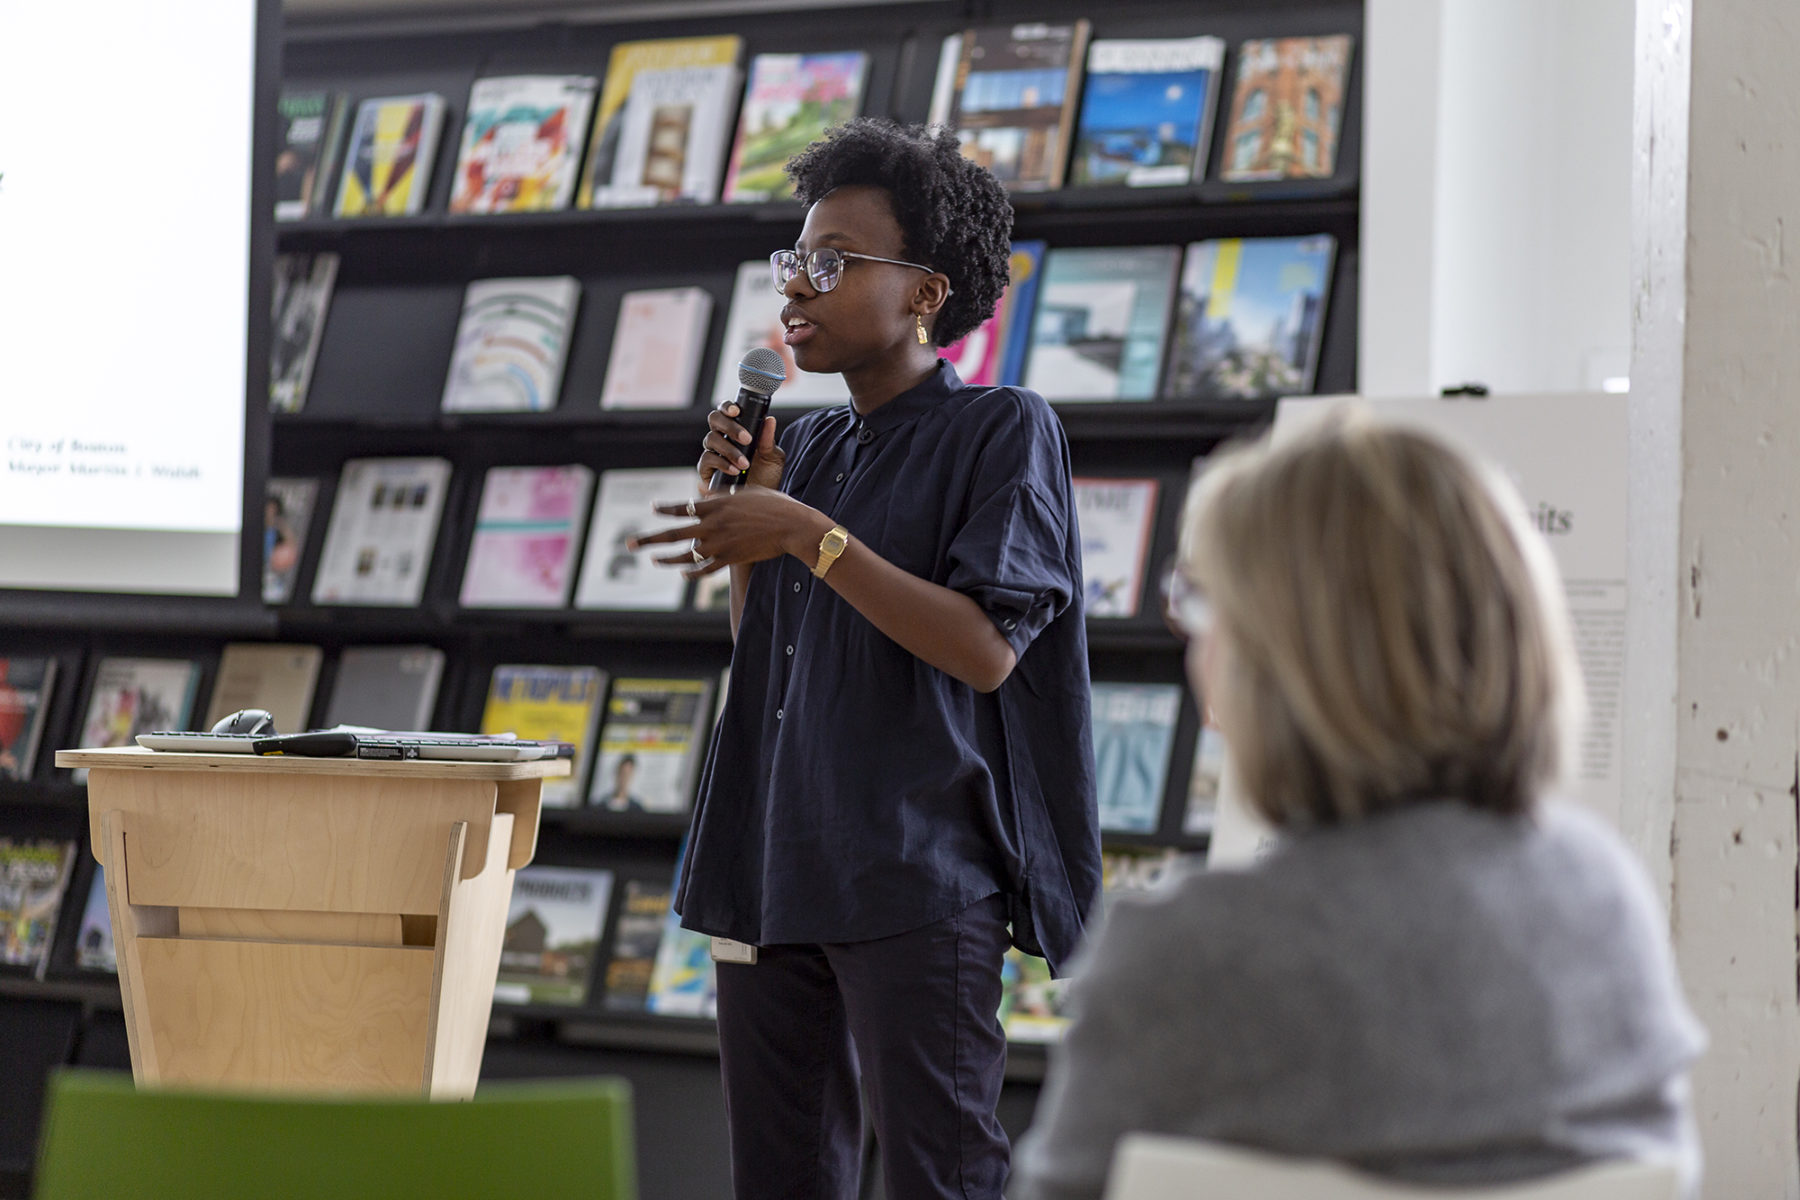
(920, 322)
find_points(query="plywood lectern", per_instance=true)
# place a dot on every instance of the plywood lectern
(308, 923)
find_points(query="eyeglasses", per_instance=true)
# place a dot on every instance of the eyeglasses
(824, 266)
(1185, 607)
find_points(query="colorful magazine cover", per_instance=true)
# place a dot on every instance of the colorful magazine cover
(521, 142)
(312, 124)
(1134, 730)
(1033, 1006)
(627, 61)
(1287, 108)
(33, 876)
(287, 515)
(643, 912)
(651, 740)
(789, 103)
(527, 532)
(1250, 318)
(387, 167)
(1146, 112)
(25, 684)
(137, 695)
(683, 981)
(1118, 517)
(94, 940)
(658, 342)
(1013, 103)
(550, 704)
(552, 933)
(1102, 321)
(994, 354)
(511, 343)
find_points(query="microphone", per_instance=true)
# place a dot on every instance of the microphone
(759, 374)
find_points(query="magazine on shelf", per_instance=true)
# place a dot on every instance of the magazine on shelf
(287, 516)
(643, 912)
(312, 126)
(790, 100)
(994, 354)
(130, 696)
(687, 76)
(1146, 112)
(1118, 517)
(1013, 102)
(1102, 321)
(383, 527)
(387, 165)
(275, 677)
(511, 343)
(527, 532)
(25, 689)
(1287, 109)
(755, 320)
(1250, 318)
(549, 704)
(553, 931)
(302, 298)
(1033, 1006)
(386, 687)
(612, 574)
(657, 345)
(1134, 731)
(94, 939)
(683, 982)
(1202, 810)
(651, 741)
(34, 874)
(521, 143)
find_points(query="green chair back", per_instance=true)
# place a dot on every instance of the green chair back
(105, 1140)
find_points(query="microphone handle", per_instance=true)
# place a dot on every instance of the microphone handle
(752, 408)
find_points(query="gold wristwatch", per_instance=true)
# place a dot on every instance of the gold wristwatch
(830, 546)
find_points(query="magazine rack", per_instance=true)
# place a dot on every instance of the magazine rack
(308, 923)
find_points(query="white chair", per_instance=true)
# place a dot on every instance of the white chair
(1154, 1167)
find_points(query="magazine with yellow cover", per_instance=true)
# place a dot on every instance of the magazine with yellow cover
(628, 60)
(387, 167)
(548, 703)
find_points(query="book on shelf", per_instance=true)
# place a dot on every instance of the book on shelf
(1287, 108)
(612, 574)
(943, 86)
(1117, 518)
(994, 354)
(312, 126)
(1102, 322)
(1033, 1006)
(683, 980)
(790, 100)
(652, 737)
(552, 932)
(25, 689)
(1013, 102)
(130, 696)
(559, 703)
(34, 874)
(1250, 318)
(94, 939)
(755, 320)
(657, 345)
(287, 515)
(527, 532)
(386, 687)
(521, 143)
(387, 163)
(637, 934)
(383, 527)
(1204, 781)
(1134, 730)
(511, 343)
(1146, 111)
(302, 299)
(663, 118)
(276, 677)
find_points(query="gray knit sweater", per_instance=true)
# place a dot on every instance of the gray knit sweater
(1441, 995)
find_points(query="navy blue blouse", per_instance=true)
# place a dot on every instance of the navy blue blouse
(853, 791)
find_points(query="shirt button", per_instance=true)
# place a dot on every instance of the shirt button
(865, 436)
(780, 713)
(796, 585)
(840, 478)
(790, 651)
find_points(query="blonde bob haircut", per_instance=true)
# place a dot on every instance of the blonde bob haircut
(1390, 628)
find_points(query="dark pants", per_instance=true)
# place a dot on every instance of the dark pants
(918, 1012)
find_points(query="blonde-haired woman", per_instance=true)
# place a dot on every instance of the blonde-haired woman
(1438, 973)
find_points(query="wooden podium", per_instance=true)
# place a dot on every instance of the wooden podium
(309, 923)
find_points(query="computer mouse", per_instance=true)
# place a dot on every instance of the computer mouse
(251, 722)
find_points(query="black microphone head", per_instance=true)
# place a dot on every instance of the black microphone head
(760, 371)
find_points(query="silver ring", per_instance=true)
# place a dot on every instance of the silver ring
(692, 515)
(698, 557)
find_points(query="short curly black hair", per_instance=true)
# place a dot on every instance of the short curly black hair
(954, 216)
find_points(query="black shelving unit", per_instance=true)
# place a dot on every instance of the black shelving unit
(376, 392)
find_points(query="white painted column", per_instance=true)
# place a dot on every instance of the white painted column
(1713, 684)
